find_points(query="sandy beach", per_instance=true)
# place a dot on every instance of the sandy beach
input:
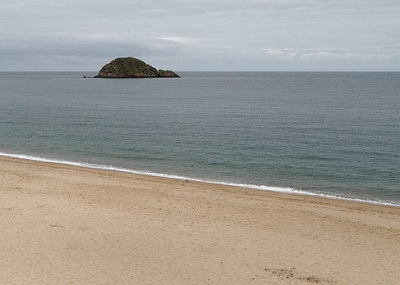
(70, 225)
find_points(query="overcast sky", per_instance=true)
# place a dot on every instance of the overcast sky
(206, 35)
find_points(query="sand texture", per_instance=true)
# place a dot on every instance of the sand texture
(69, 225)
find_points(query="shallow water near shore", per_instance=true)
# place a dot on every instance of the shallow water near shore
(329, 134)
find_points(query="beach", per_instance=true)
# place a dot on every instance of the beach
(64, 224)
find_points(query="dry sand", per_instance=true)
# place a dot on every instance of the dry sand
(70, 225)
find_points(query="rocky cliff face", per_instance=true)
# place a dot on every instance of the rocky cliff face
(130, 67)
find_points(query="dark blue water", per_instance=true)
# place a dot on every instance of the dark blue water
(325, 133)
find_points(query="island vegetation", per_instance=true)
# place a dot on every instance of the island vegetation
(130, 67)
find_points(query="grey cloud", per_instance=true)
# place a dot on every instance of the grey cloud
(202, 35)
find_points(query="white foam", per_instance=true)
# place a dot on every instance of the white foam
(163, 175)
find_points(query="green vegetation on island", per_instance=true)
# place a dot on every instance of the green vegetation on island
(130, 67)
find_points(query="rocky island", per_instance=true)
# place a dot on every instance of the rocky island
(130, 67)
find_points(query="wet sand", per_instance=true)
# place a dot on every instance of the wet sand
(71, 225)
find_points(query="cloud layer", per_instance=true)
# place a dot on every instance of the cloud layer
(201, 35)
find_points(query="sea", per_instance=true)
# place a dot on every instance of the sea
(329, 134)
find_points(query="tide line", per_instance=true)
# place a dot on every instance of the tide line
(285, 190)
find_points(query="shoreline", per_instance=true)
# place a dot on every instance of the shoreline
(67, 224)
(289, 191)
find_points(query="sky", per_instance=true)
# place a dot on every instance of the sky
(206, 35)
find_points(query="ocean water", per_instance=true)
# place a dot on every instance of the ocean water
(329, 134)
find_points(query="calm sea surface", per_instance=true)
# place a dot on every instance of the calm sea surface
(324, 133)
